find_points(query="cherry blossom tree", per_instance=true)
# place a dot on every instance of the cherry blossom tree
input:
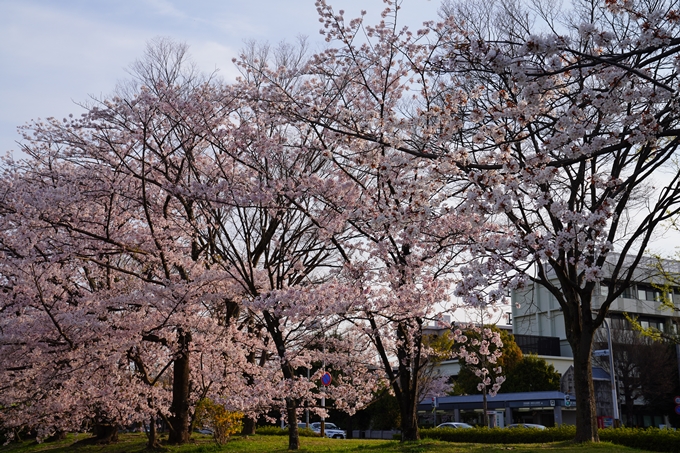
(402, 235)
(91, 193)
(479, 347)
(560, 124)
(189, 217)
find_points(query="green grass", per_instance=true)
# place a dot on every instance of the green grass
(133, 443)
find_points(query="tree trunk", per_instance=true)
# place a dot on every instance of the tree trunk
(630, 416)
(408, 405)
(409, 425)
(179, 419)
(59, 435)
(152, 436)
(249, 426)
(105, 433)
(408, 383)
(485, 408)
(293, 434)
(586, 419)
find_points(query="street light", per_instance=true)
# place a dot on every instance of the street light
(612, 377)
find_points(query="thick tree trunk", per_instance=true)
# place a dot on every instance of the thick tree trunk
(293, 434)
(407, 390)
(180, 420)
(586, 418)
(409, 425)
(407, 395)
(249, 426)
(106, 433)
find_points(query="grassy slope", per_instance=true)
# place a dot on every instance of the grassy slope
(130, 443)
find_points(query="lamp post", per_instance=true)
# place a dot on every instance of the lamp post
(615, 400)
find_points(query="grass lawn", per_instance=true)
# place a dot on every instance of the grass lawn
(132, 443)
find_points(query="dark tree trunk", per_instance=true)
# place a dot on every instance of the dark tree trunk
(152, 435)
(407, 390)
(179, 409)
(249, 426)
(630, 415)
(59, 435)
(586, 417)
(272, 324)
(407, 406)
(105, 433)
(293, 434)
(409, 423)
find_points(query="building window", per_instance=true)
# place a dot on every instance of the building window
(619, 323)
(628, 293)
(648, 293)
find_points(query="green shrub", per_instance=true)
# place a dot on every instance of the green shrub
(652, 439)
(269, 430)
(500, 435)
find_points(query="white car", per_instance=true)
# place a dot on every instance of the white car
(454, 425)
(526, 425)
(330, 429)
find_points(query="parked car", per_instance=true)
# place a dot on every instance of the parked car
(330, 429)
(525, 425)
(454, 425)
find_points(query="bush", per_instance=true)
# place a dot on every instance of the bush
(269, 430)
(653, 439)
(222, 422)
(500, 435)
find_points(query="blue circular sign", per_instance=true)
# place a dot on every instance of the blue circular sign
(326, 379)
(677, 410)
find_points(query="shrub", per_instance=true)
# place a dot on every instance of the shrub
(222, 422)
(500, 435)
(269, 430)
(652, 439)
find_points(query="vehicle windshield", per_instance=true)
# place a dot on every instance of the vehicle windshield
(317, 425)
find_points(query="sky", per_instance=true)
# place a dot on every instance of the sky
(55, 54)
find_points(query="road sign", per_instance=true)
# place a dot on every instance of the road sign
(677, 409)
(677, 400)
(326, 379)
(600, 352)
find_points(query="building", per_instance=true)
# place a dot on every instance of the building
(536, 315)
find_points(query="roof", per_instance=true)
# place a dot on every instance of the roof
(501, 400)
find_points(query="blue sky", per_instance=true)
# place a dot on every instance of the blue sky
(56, 53)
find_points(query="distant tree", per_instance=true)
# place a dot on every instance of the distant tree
(531, 374)
(644, 368)
(479, 349)
(511, 356)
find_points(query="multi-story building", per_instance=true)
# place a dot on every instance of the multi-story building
(536, 315)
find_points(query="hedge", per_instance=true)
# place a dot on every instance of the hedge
(652, 439)
(270, 430)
